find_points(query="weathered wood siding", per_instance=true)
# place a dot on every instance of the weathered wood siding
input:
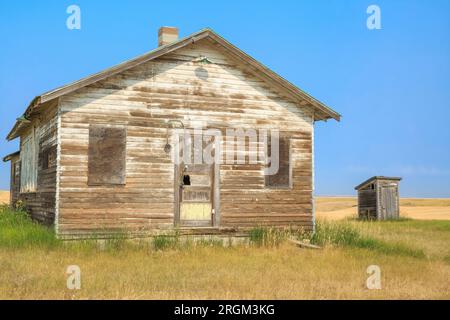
(379, 199)
(367, 202)
(41, 202)
(15, 180)
(218, 95)
(388, 199)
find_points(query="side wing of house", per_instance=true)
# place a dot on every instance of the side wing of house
(115, 174)
(35, 172)
(14, 159)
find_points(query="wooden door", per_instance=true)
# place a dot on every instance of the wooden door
(197, 187)
(196, 195)
(389, 202)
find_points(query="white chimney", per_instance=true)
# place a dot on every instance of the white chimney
(167, 35)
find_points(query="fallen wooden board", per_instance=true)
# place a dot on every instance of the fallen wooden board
(304, 244)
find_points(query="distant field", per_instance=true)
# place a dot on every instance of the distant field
(336, 208)
(4, 196)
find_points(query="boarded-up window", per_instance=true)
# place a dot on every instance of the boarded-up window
(282, 178)
(107, 155)
(48, 158)
(29, 159)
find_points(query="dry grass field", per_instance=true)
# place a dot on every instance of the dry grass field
(414, 257)
(284, 272)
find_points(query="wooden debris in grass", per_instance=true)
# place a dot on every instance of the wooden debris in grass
(303, 244)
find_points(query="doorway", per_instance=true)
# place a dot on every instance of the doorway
(197, 196)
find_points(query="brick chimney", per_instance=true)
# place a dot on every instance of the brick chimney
(167, 35)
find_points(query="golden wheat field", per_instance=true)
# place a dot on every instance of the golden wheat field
(336, 208)
(4, 197)
(413, 256)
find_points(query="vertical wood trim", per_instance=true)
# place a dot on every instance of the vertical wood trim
(212, 178)
(176, 190)
(377, 203)
(216, 194)
(313, 184)
(291, 177)
(58, 165)
(35, 167)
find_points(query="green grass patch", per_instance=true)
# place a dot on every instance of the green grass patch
(447, 259)
(430, 225)
(17, 230)
(165, 242)
(268, 236)
(344, 234)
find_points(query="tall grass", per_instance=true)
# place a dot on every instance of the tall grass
(268, 237)
(344, 234)
(333, 234)
(175, 242)
(18, 230)
(164, 242)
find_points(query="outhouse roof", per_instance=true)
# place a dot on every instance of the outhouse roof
(370, 180)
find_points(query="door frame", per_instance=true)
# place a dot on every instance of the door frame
(215, 199)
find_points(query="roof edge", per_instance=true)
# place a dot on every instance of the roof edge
(277, 78)
(10, 156)
(377, 178)
(159, 51)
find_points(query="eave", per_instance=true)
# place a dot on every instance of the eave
(321, 111)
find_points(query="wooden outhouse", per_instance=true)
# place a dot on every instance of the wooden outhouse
(378, 198)
(97, 155)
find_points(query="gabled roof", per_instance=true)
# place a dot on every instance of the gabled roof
(10, 156)
(370, 180)
(323, 112)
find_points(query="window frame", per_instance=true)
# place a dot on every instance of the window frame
(48, 159)
(289, 185)
(29, 163)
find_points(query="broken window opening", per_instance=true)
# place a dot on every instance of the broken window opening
(186, 180)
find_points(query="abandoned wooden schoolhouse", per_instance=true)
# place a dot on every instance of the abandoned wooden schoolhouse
(95, 155)
(378, 198)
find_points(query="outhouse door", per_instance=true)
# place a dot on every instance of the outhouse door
(389, 208)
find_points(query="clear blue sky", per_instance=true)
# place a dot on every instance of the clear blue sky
(392, 86)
